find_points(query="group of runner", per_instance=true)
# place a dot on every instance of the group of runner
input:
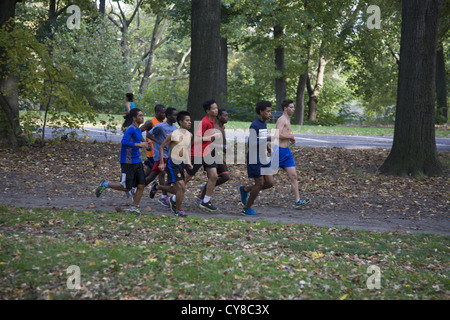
(170, 152)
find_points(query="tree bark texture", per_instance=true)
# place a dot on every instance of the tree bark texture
(441, 86)
(280, 80)
(300, 99)
(414, 147)
(223, 99)
(9, 92)
(314, 92)
(204, 76)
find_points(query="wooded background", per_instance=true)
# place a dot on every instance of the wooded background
(338, 60)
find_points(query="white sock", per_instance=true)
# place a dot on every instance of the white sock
(174, 198)
(206, 199)
(163, 196)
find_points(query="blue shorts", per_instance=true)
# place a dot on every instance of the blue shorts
(286, 159)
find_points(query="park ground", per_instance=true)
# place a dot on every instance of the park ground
(344, 187)
(50, 219)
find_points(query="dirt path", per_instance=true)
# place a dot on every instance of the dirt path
(344, 187)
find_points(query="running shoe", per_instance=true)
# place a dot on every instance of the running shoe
(164, 202)
(208, 206)
(181, 213)
(249, 212)
(300, 203)
(134, 210)
(244, 195)
(153, 189)
(172, 206)
(100, 188)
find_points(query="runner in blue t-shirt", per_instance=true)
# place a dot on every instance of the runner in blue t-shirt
(255, 164)
(130, 162)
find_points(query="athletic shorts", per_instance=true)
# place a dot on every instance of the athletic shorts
(286, 159)
(150, 162)
(175, 172)
(222, 169)
(132, 175)
(156, 166)
(197, 166)
(254, 170)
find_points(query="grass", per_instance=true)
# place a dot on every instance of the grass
(157, 257)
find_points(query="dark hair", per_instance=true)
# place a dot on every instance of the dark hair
(169, 111)
(286, 103)
(207, 104)
(129, 96)
(182, 115)
(262, 105)
(159, 107)
(220, 112)
(134, 112)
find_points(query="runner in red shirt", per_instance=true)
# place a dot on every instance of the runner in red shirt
(201, 149)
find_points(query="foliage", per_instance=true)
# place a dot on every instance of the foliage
(42, 83)
(91, 53)
(168, 93)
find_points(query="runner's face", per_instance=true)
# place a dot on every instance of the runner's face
(290, 110)
(161, 115)
(213, 110)
(139, 118)
(223, 117)
(186, 123)
(266, 114)
(173, 117)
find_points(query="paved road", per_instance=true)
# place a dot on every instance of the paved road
(306, 140)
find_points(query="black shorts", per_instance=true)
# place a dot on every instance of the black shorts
(149, 162)
(197, 166)
(175, 172)
(132, 175)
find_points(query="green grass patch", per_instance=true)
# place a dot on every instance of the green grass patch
(157, 257)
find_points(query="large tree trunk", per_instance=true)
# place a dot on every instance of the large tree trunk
(300, 99)
(414, 147)
(205, 56)
(441, 86)
(223, 99)
(9, 92)
(280, 80)
(314, 92)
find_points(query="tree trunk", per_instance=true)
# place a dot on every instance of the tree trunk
(441, 86)
(9, 92)
(223, 98)
(280, 80)
(414, 146)
(205, 56)
(314, 93)
(101, 6)
(300, 99)
(157, 32)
